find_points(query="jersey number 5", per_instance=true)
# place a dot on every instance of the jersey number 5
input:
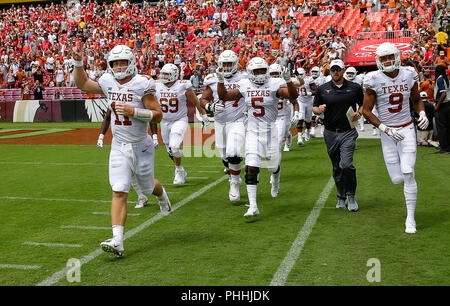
(396, 99)
(259, 108)
(126, 120)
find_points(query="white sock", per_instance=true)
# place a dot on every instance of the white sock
(118, 233)
(410, 192)
(235, 178)
(251, 191)
(163, 195)
(180, 167)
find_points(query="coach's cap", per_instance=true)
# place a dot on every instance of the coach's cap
(423, 95)
(337, 62)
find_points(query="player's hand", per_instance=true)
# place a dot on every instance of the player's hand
(286, 74)
(220, 77)
(124, 109)
(77, 53)
(322, 108)
(356, 116)
(155, 140)
(205, 121)
(296, 118)
(422, 122)
(215, 107)
(100, 141)
(394, 133)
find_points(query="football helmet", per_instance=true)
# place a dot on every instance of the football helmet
(228, 56)
(315, 72)
(385, 49)
(275, 71)
(122, 52)
(169, 73)
(254, 64)
(301, 72)
(350, 73)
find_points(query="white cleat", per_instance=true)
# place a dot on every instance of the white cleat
(252, 212)
(275, 182)
(307, 135)
(164, 205)
(235, 193)
(141, 202)
(322, 128)
(361, 128)
(225, 170)
(374, 132)
(286, 148)
(289, 139)
(410, 226)
(180, 177)
(112, 246)
(312, 133)
(300, 139)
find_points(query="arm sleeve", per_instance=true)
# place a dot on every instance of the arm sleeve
(360, 96)
(317, 98)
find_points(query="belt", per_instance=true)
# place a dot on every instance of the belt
(338, 130)
(403, 125)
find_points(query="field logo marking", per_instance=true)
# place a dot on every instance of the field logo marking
(73, 274)
(280, 276)
(374, 273)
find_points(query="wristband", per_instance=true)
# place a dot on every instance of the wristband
(78, 63)
(101, 136)
(143, 114)
(155, 136)
(382, 127)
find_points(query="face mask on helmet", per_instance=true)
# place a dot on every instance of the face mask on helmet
(301, 73)
(275, 71)
(228, 63)
(387, 57)
(258, 71)
(168, 73)
(315, 72)
(116, 68)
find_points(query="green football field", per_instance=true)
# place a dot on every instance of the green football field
(55, 203)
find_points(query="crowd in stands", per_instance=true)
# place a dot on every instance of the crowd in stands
(35, 40)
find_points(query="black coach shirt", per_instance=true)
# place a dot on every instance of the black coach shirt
(338, 100)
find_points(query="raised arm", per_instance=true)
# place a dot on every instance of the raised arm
(81, 79)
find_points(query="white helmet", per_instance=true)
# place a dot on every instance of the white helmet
(350, 70)
(301, 72)
(423, 95)
(122, 52)
(315, 72)
(275, 69)
(228, 56)
(254, 64)
(387, 49)
(172, 73)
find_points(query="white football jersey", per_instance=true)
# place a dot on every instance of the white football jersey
(173, 99)
(127, 129)
(234, 110)
(283, 106)
(392, 103)
(304, 89)
(262, 102)
(318, 81)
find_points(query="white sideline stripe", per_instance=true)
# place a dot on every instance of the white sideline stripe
(57, 276)
(86, 227)
(53, 244)
(23, 267)
(198, 177)
(62, 200)
(89, 164)
(286, 266)
(108, 213)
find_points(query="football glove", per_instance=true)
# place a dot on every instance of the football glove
(422, 122)
(296, 118)
(100, 141)
(155, 140)
(391, 132)
(215, 108)
(205, 121)
(286, 74)
(220, 77)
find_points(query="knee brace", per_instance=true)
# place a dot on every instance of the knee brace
(251, 178)
(300, 125)
(176, 152)
(236, 160)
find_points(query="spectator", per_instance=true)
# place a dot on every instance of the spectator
(441, 37)
(424, 136)
(442, 60)
(38, 90)
(442, 109)
(427, 86)
(195, 79)
(26, 90)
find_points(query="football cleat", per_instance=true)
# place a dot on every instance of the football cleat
(289, 140)
(180, 177)
(312, 133)
(112, 246)
(410, 226)
(251, 212)
(286, 148)
(352, 205)
(235, 194)
(374, 132)
(300, 139)
(164, 205)
(340, 204)
(141, 201)
(307, 135)
(275, 182)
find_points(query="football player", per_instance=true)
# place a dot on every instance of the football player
(142, 198)
(229, 117)
(352, 75)
(284, 120)
(172, 94)
(389, 90)
(131, 99)
(316, 80)
(261, 94)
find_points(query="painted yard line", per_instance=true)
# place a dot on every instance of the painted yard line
(37, 133)
(108, 213)
(23, 267)
(205, 171)
(198, 177)
(56, 277)
(53, 244)
(86, 227)
(288, 263)
(33, 163)
(58, 200)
